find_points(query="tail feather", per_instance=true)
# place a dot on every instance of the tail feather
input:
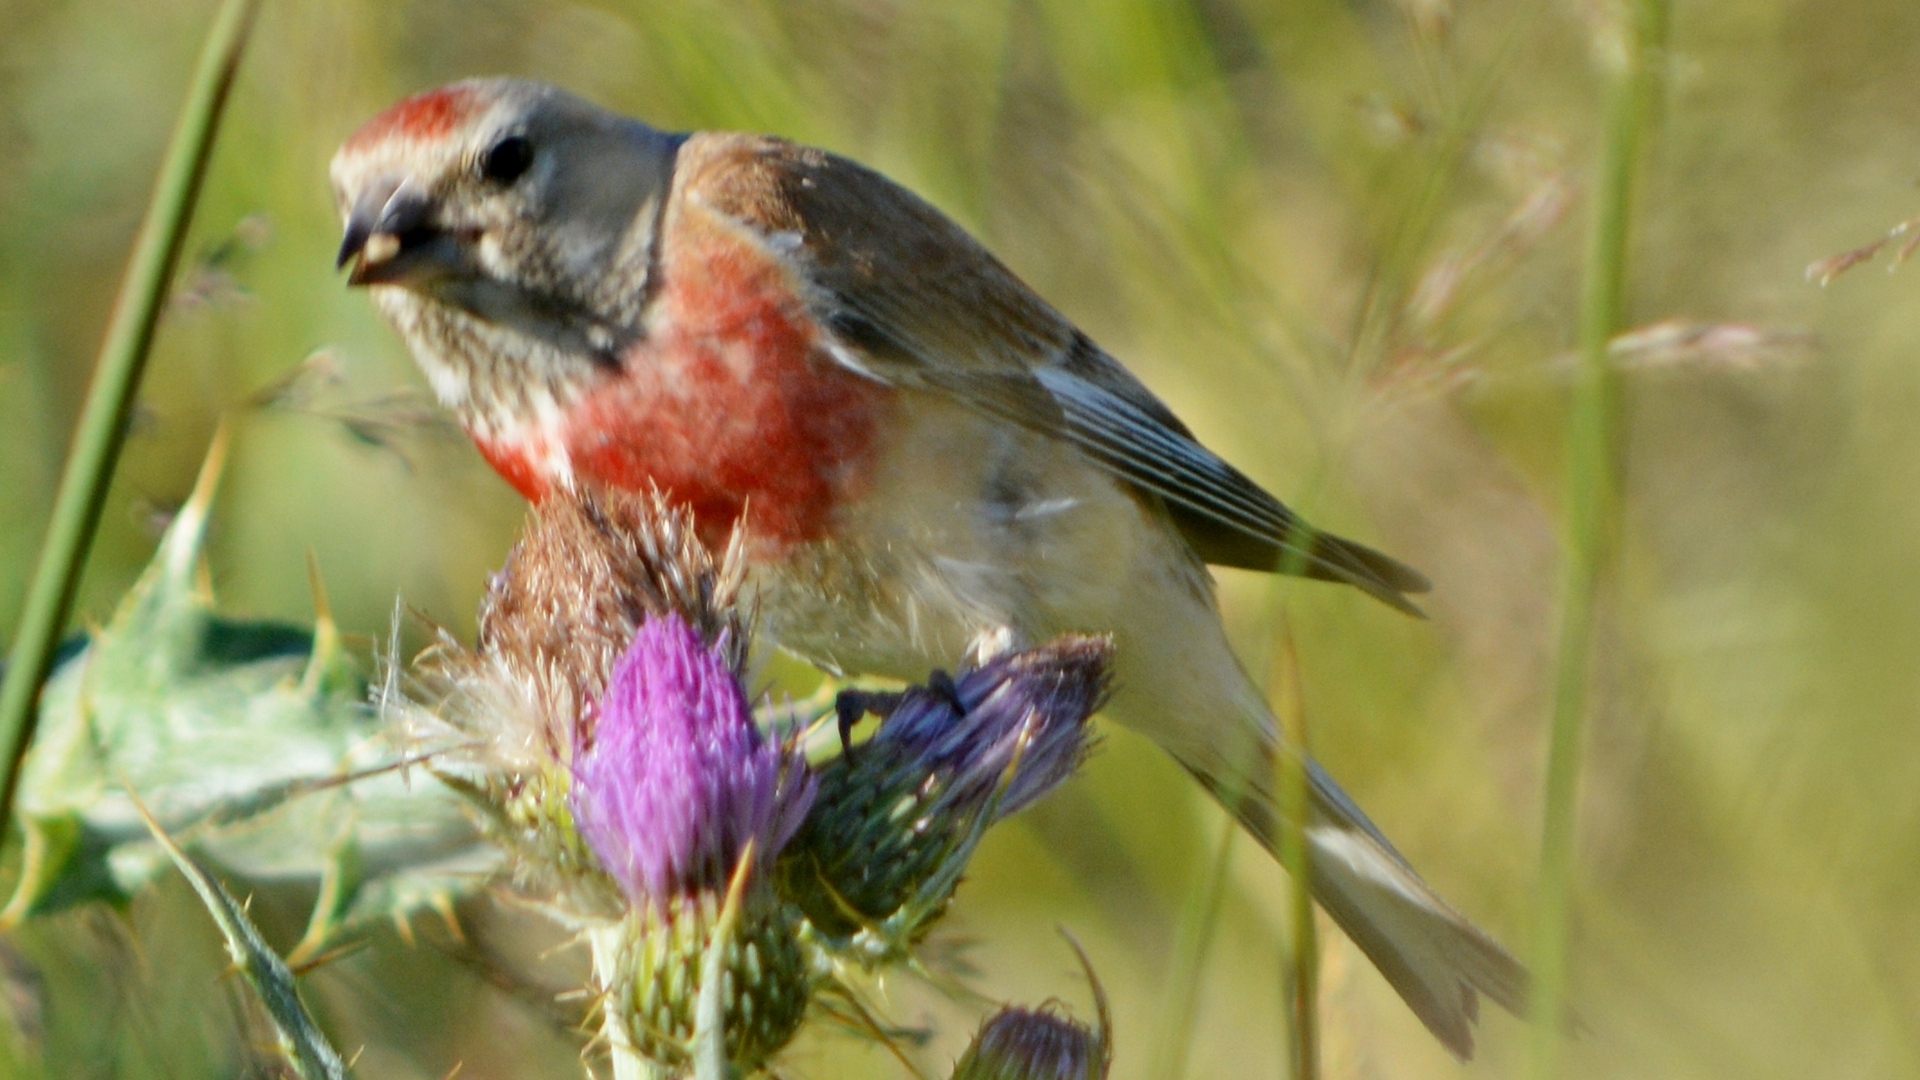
(1304, 552)
(1180, 685)
(1437, 961)
(1336, 559)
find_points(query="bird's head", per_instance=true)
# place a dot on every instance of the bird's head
(501, 216)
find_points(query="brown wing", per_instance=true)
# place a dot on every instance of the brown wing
(914, 301)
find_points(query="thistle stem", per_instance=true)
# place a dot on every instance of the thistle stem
(123, 355)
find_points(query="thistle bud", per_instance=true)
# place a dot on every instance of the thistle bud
(1034, 1044)
(894, 823)
(1043, 1043)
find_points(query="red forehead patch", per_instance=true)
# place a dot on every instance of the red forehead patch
(423, 116)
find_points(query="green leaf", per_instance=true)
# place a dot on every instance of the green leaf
(301, 1040)
(251, 740)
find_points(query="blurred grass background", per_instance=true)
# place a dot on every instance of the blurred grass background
(1343, 240)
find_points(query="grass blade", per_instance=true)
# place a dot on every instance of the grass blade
(1195, 940)
(1300, 987)
(103, 421)
(1590, 498)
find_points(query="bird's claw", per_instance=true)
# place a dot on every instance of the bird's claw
(850, 706)
(945, 690)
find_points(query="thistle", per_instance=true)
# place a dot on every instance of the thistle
(1034, 1044)
(683, 802)
(1042, 1044)
(602, 732)
(896, 821)
(506, 718)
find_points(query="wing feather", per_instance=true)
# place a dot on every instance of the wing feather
(915, 301)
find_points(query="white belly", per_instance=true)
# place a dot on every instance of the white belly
(980, 532)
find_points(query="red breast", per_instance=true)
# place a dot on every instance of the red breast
(730, 403)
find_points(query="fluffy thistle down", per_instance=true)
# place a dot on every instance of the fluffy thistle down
(576, 589)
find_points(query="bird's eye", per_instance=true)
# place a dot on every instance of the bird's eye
(507, 160)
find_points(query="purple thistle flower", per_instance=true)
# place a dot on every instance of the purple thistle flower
(1029, 707)
(672, 778)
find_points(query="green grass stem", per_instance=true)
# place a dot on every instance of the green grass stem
(1590, 500)
(1300, 985)
(103, 420)
(1197, 926)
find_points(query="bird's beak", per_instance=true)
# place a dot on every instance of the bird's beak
(391, 237)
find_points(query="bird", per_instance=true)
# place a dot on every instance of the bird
(929, 459)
